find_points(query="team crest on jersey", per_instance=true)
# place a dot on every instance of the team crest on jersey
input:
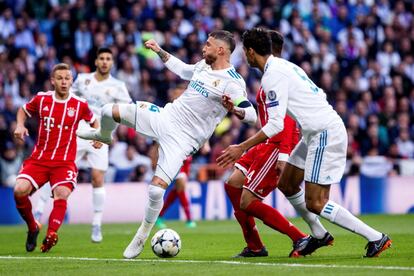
(87, 81)
(216, 83)
(71, 111)
(272, 95)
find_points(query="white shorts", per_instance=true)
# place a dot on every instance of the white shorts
(322, 155)
(150, 120)
(97, 158)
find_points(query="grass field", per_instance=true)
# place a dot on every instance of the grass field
(207, 250)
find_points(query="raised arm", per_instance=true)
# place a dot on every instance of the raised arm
(184, 70)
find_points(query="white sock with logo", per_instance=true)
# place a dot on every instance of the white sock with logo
(152, 210)
(342, 217)
(298, 202)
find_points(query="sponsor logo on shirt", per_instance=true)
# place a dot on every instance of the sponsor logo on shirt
(46, 108)
(272, 104)
(216, 83)
(87, 81)
(199, 87)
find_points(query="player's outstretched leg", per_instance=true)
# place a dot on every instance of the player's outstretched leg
(107, 125)
(317, 201)
(152, 210)
(31, 240)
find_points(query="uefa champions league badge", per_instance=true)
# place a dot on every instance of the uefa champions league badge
(272, 95)
(71, 111)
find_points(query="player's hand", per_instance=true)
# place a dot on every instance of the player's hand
(20, 132)
(153, 45)
(227, 103)
(97, 144)
(229, 155)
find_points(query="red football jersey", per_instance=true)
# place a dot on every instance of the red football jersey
(289, 136)
(58, 122)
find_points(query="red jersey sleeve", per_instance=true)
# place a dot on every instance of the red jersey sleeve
(87, 114)
(32, 108)
(290, 138)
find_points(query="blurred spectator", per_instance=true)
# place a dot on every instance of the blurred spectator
(359, 52)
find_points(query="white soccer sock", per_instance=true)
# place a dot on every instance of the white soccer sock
(98, 199)
(108, 124)
(298, 202)
(342, 217)
(45, 193)
(152, 210)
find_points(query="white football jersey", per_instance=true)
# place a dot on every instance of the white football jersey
(99, 93)
(289, 89)
(199, 109)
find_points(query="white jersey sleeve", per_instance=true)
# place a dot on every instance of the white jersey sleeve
(276, 87)
(180, 68)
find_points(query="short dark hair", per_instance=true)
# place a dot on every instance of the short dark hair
(257, 39)
(225, 36)
(277, 42)
(102, 50)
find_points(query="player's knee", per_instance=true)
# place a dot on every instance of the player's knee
(61, 192)
(315, 206)
(111, 111)
(235, 180)
(21, 189)
(245, 201)
(155, 193)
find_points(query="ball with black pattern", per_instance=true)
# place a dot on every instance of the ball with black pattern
(166, 243)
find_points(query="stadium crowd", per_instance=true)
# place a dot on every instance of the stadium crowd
(360, 52)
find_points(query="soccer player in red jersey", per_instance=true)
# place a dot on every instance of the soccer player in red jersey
(53, 156)
(258, 171)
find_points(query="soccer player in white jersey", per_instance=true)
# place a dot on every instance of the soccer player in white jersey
(183, 126)
(320, 156)
(98, 88)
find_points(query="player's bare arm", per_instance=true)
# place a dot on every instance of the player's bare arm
(229, 105)
(232, 153)
(21, 131)
(153, 45)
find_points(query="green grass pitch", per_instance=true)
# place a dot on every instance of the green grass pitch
(207, 250)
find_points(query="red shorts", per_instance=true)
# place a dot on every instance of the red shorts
(54, 172)
(185, 169)
(259, 167)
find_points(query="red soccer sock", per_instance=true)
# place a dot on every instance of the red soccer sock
(274, 219)
(24, 206)
(182, 196)
(247, 223)
(57, 215)
(172, 195)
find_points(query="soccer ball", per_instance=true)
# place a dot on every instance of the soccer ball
(166, 243)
